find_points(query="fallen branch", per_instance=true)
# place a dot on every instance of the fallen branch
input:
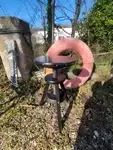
(103, 53)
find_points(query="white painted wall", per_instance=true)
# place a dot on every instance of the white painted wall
(58, 33)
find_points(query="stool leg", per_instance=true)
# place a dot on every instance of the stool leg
(62, 86)
(58, 107)
(44, 94)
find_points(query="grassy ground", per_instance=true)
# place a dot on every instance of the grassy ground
(26, 126)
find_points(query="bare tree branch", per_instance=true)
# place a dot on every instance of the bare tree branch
(60, 27)
(65, 14)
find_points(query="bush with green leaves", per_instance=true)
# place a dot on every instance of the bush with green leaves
(98, 26)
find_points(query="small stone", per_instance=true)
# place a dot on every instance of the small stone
(72, 136)
(103, 82)
(78, 121)
(103, 139)
(96, 133)
(94, 136)
(34, 143)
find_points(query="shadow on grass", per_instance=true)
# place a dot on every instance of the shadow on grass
(24, 92)
(72, 95)
(96, 128)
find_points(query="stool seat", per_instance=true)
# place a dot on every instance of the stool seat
(51, 80)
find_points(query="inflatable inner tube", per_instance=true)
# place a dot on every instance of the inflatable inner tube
(87, 59)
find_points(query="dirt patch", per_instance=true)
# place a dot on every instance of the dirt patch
(24, 125)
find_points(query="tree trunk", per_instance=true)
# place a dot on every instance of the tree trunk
(44, 27)
(76, 16)
(50, 21)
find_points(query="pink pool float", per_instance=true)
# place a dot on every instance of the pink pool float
(87, 59)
